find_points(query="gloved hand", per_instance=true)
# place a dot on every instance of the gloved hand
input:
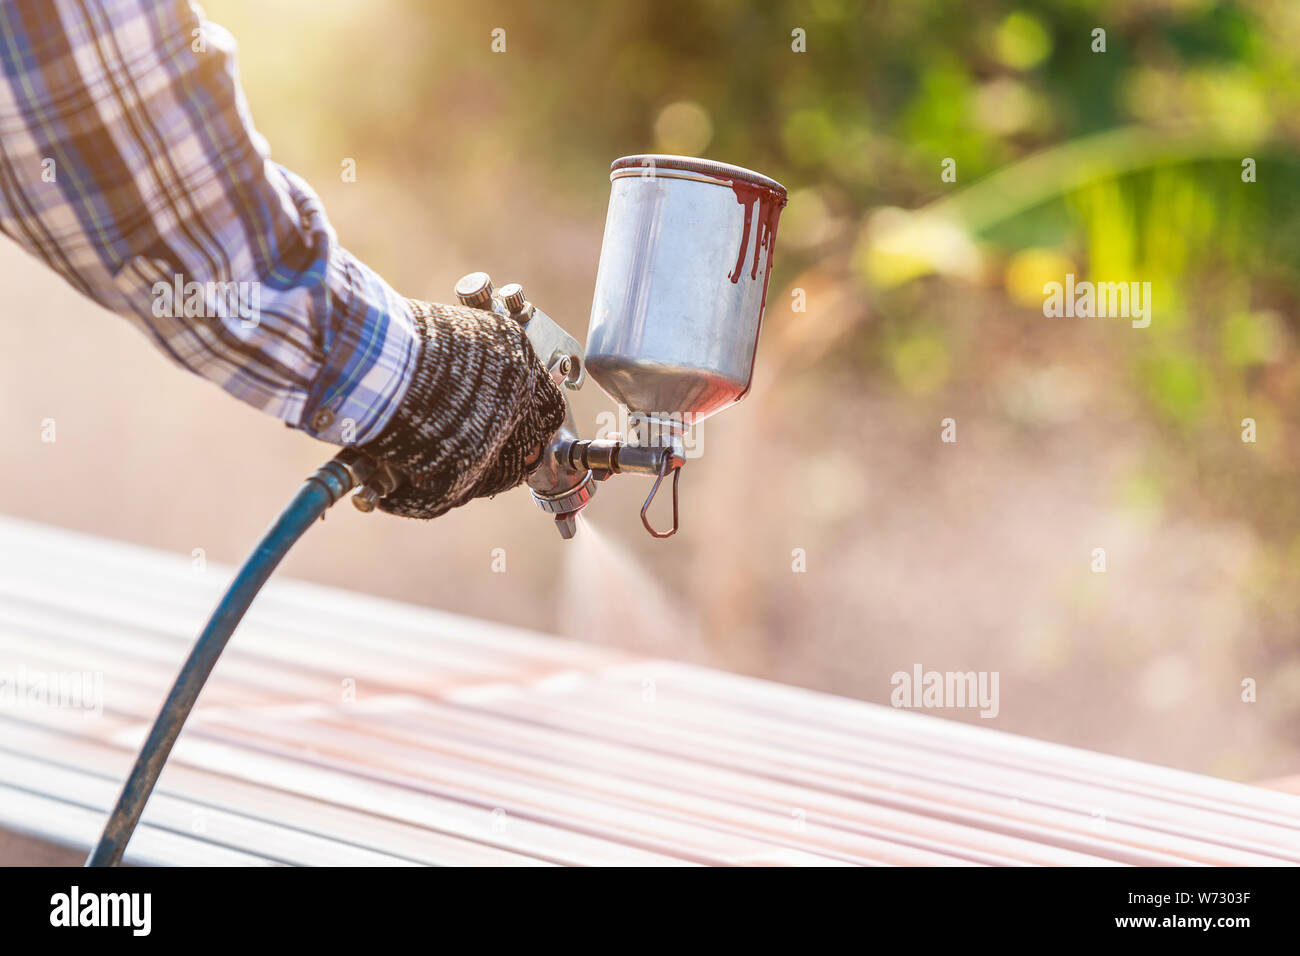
(478, 407)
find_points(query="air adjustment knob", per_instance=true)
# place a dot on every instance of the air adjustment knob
(475, 290)
(513, 295)
(366, 499)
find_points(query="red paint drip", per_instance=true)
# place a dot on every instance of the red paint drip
(769, 205)
(748, 202)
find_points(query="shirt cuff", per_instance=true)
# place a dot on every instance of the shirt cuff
(369, 357)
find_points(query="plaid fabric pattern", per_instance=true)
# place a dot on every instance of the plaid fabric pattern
(130, 165)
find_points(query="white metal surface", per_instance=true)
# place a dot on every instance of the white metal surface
(470, 743)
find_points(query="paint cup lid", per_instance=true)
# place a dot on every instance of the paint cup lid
(689, 167)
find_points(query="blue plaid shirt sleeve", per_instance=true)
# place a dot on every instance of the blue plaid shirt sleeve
(130, 165)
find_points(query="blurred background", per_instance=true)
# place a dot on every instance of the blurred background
(923, 302)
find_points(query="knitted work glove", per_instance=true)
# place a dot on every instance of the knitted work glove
(478, 405)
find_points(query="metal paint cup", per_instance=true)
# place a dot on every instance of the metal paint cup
(681, 285)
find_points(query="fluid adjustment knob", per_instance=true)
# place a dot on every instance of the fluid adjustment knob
(475, 290)
(513, 296)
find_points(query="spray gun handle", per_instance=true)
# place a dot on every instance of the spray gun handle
(571, 467)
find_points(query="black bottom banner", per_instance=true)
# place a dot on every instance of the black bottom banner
(609, 909)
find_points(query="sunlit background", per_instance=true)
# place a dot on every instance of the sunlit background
(923, 302)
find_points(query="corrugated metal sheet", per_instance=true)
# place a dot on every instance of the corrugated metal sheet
(471, 743)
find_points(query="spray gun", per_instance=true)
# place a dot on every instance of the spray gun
(679, 298)
(680, 292)
(570, 468)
